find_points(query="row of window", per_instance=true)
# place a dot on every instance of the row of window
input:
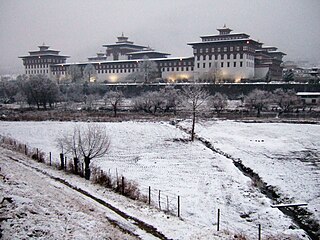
(221, 56)
(167, 69)
(223, 49)
(176, 63)
(37, 66)
(44, 60)
(226, 64)
(37, 71)
(222, 38)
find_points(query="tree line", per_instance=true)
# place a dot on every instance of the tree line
(44, 93)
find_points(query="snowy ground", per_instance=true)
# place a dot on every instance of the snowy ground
(284, 155)
(45, 209)
(149, 154)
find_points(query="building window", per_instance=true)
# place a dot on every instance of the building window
(209, 64)
(231, 49)
(218, 49)
(241, 55)
(241, 64)
(204, 65)
(198, 65)
(245, 48)
(200, 50)
(168, 69)
(195, 51)
(228, 64)
(234, 64)
(210, 57)
(237, 48)
(221, 65)
(225, 49)
(212, 49)
(172, 69)
(207, 50)
(204, 57)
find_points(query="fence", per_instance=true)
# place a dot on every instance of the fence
(164, 201)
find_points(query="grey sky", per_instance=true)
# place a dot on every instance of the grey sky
(79, 27)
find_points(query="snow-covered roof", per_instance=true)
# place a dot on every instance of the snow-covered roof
(308, 93)
(123, 61)
(225, 35)
(229, 40)
(150, 51)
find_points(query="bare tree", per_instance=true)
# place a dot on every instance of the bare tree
(90, 143)
(214, 75)
(218, 101)
(114, 98)
(149, 102)
(258, 99)
(171, 97)
(285, 100)
(194, 96)
(149, 69)
(74, 73)
(89, 73)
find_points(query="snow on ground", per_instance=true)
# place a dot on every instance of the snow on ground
(44, 209)
(284, 155)
(150, 154)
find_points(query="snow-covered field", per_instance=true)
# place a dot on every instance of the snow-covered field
(149, 153)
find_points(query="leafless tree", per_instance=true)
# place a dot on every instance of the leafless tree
(115, 99)
(194, 97)
(149, 69)
(171, 99)
(258, 99)
(285, 100)
(74, 73)
(89, 73)
(90, 143)
(218, 101)
(150, 102)
(214, 75)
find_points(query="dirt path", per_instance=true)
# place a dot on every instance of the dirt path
(35, 205)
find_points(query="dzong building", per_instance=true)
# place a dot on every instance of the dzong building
(226, 56)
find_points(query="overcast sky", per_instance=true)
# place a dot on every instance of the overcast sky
(79, 28)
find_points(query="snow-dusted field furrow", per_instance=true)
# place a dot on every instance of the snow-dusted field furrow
(150, 154)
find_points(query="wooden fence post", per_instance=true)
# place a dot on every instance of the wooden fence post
(259, 231)
(25, 149)
(122, 183)
(65, 163)
(218, 223)
(178, 206)
(50, 158)
(149, 195)
(62, 160)
(159, 199)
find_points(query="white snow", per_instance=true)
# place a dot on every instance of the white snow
(147, 153)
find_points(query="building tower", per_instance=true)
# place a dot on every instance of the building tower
(39, 61)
